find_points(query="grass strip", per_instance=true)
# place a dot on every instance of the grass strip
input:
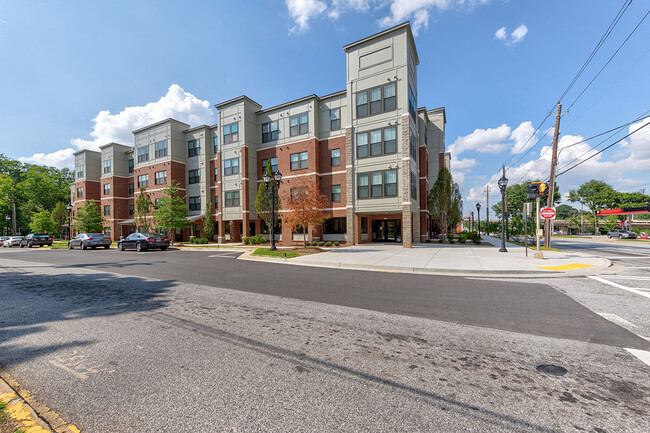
(6, 424)
(266, 252)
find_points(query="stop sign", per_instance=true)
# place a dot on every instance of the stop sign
(548, 213)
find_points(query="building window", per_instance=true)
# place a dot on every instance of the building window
(412, 105)
(231, 166)
(232, 199)
(335, 119)
(390, 140)
(377, 184)
(362, 145)
(196, 229)
(107, 166)
(299, 160)
(216, 174)
(80, 192)
(215, 145)
(80, 171)
(364, 225)
(413, 143)
(336, 192)
(107, 188)
(161, 177)
(143, 154)
(375, 143)
(143, 180)
(194, 176)
(107, 210)
(335, 157)
(107, 232)
(376, 100)
(274, 165)
(193, 148)
(158, 202)
(414, 186)
(334, 226)
(131, 209)
(130, 165)
(264, 228)
(269, 132)
(160, 149)
(362, 186)
(382, 142)
(216, 203)
(299, 124)
(195, 203)
(131, 188)
(231, 133)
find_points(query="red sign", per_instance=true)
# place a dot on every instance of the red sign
(548, 213)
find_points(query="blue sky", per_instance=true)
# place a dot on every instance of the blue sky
(80, 74)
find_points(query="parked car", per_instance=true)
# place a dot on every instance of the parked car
(13, 241)
(89, 240)
(621, 234)
(3, 239)
(39, 239)
(142, 242)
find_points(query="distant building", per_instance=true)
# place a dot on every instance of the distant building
(368, 148)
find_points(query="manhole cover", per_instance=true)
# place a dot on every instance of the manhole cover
(554, 370)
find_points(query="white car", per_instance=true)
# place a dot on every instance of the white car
(13, 241)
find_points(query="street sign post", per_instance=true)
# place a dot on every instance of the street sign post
(548, 213)
(538, 253)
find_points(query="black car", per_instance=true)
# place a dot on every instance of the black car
(89, 240)
(33, 239)
(142, 242)
(621, 234)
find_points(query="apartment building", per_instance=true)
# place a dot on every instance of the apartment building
(368, 148)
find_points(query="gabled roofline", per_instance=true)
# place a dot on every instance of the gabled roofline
(169, 119)
(406, 25)
(230, 101)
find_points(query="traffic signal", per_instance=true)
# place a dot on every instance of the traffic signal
(535, 189)
(542, 188)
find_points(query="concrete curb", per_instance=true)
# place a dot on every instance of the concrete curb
(30, 415)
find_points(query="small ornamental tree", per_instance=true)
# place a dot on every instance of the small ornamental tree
(142, 211)
(171, 211)
(208, 222)
(41, 222)
(59, 217)
(445, 202)
(263, 198)
(89, 218)
(304, 206)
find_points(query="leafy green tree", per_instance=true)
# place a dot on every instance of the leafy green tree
(171, 211)
(208, 222)
(6, 186)
(445, 202)
(142, 211)
(89, 218)
(595, 195)
(41, 222)
(565, 212)
(263, 197)
(59, 217)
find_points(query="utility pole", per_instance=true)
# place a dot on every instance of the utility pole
(13, 210)
(487, 210)
(551, 183)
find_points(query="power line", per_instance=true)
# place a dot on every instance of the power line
(599, 152)
(610, 59)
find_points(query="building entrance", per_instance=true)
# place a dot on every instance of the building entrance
(387, 231)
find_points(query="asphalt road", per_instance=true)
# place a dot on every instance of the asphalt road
(184, 341)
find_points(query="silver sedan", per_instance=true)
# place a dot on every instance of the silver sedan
(89, 240)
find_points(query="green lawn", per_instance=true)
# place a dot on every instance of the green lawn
(566, 236)
(277, 253)
(533, 247)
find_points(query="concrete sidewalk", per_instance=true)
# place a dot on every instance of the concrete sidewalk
(457, 259)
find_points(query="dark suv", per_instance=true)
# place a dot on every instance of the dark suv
(39, 239)
(621, 234)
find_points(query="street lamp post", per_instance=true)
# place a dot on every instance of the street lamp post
(69, 208)
(278, 181)
(478, 212)
(503, 183)
(472, 225)
(7, 218)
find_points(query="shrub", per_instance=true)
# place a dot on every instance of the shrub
(321, 244)
(440, 240)
(336, 244)
(452, 241)
(462, 237)
(246, 241)
(255, 240)
(198, 241)
(462, 240)
(328, 244)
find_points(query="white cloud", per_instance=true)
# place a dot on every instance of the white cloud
(302, 11)
(523, 138)
(177, 104)
(514, 38)
(118, 127)
(491, 140)
(340, 6)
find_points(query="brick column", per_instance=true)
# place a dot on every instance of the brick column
(405, 179)
(222, 231)
(349, 188)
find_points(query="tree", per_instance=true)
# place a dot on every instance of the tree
(263, 198)
(59, 217)
(170, 213)
(208, 222)
(41, 222)
(142, 211)
(445, 202)
(305, 206)
(89, 218)
(565, 212)
(596, 195)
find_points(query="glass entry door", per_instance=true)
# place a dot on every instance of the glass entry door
(387, 231)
